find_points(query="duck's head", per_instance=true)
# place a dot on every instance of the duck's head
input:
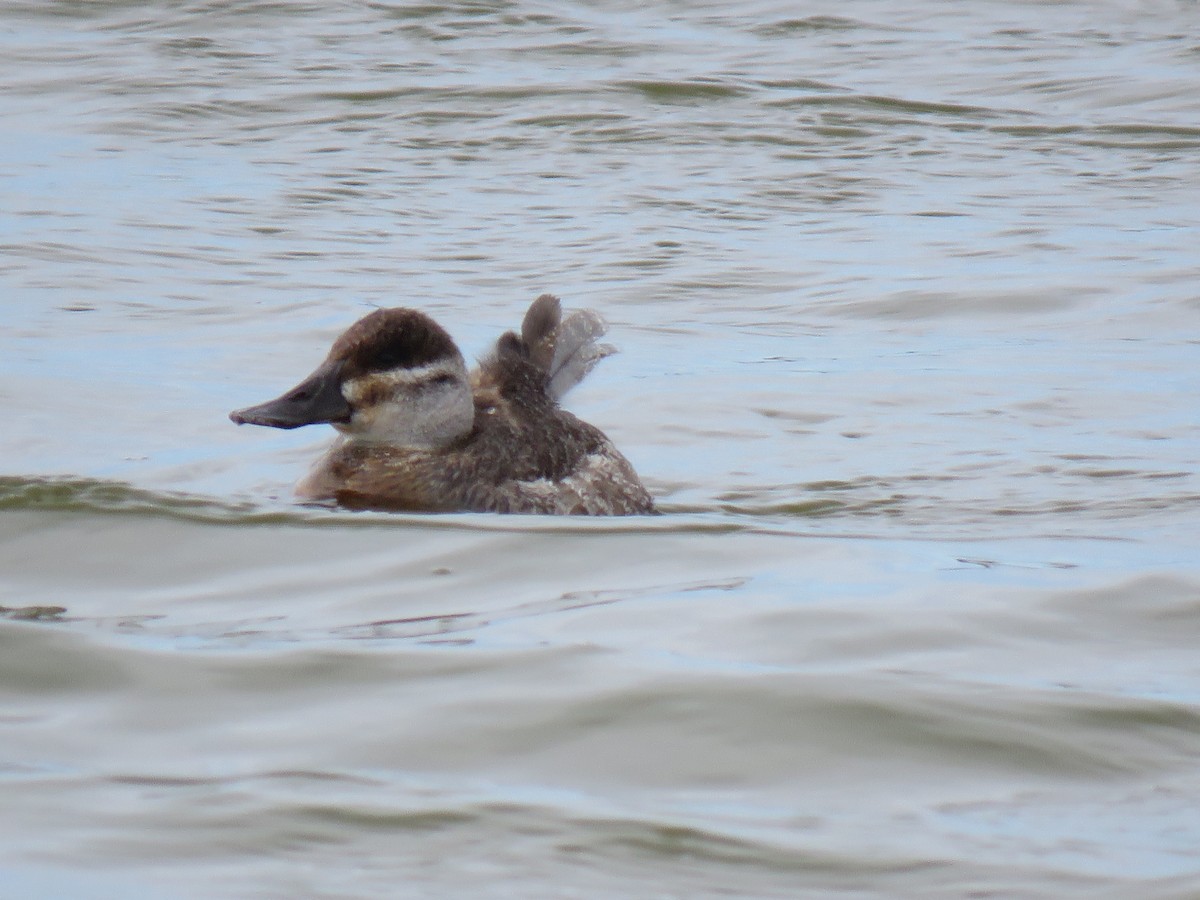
(394, 377)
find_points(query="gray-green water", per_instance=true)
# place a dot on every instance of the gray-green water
(907, 297)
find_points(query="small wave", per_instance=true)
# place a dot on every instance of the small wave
(91, 495)
(66, 494)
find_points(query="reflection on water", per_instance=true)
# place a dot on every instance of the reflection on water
(905, 301)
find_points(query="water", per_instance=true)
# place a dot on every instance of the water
(906, 298)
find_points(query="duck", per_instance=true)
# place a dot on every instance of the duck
(417, 432)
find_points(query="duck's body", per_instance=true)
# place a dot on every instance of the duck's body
(419, 433)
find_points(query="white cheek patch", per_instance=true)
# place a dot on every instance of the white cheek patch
(379, 387)
(421, 406)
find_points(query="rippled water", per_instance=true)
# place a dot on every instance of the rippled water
(907, 299)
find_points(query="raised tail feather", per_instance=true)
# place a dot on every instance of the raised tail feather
(563, 350)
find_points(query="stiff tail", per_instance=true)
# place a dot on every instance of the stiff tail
(562, 350)
(566, 349)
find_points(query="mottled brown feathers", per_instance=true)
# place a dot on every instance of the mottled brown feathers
(508, 464)
(517, 451)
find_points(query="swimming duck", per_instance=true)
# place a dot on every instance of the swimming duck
(417, 432)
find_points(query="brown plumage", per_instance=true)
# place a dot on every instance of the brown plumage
(418, 434)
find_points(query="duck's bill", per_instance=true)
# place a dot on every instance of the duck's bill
(317, 399)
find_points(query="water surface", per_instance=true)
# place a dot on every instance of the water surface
(906, 298)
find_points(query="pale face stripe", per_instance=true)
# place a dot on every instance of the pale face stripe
(394, 381)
